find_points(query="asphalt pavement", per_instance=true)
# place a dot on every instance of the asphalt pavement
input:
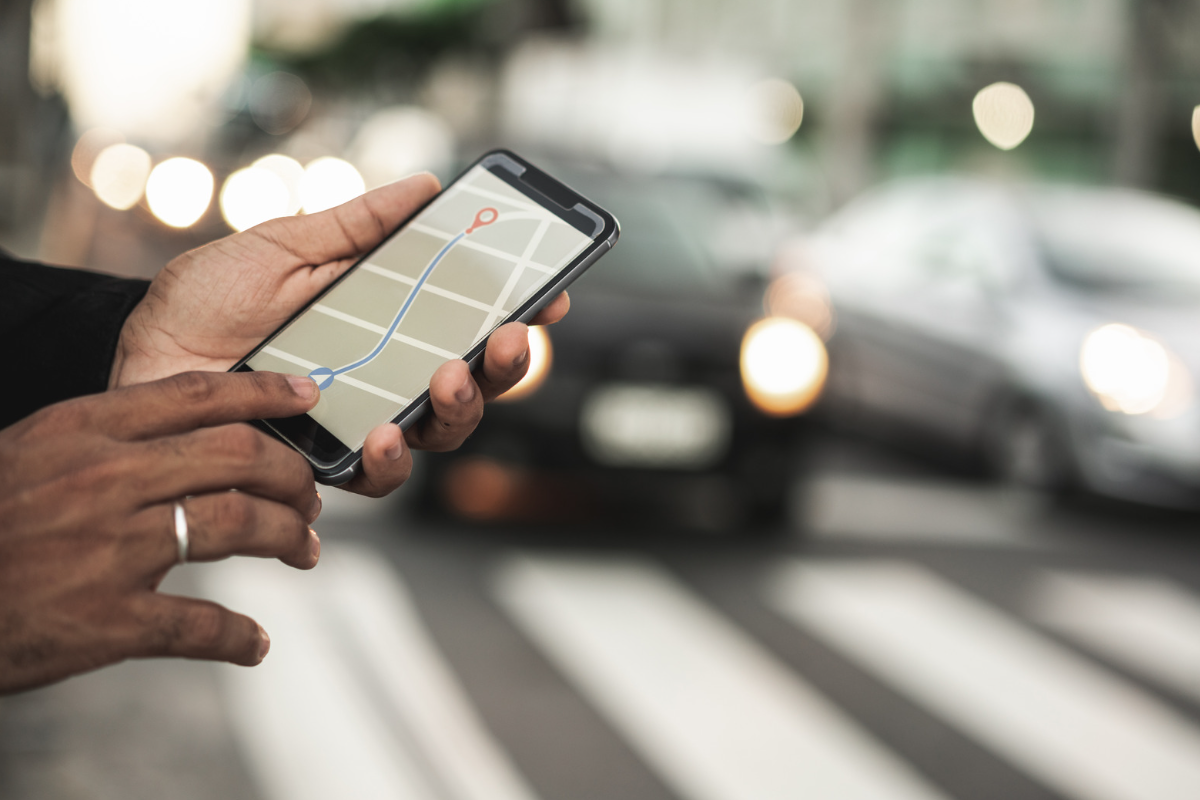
(914, 635)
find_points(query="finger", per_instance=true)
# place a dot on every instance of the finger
(456, 406)
(215, 460)
(386, 463)
(193, 400)
(227, 524)
(555, 310)
(505, 361)
(188, 628)
(351, 229)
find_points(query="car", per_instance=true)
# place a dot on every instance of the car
(665, 394)
(1050, 333)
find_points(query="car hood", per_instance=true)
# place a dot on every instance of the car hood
(604, 325)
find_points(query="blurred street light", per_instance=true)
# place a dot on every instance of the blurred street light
(290, 172)
(398, 141)
(776, 111)
(329, 182)
(179, 191)
(88, 148)
(541, 357)
(118, 175)
(147, 68)
(251, 196)
(279, 101)
(1004, 114)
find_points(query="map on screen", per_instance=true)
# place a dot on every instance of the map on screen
(433, 291)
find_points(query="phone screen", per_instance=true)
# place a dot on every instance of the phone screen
(429, 294)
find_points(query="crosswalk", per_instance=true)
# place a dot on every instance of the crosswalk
(711, 710)
(1068, 722)
(357, 699)
(1148, 625)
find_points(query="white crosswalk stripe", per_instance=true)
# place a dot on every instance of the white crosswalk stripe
(354, 700)
(715, 714)
(1145, 624)
(1076, 727)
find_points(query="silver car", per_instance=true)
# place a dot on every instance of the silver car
(1051, 331)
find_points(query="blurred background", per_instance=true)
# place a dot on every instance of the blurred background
(865, 466)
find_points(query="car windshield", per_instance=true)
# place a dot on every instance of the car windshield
(680, 235)
(1121, 242)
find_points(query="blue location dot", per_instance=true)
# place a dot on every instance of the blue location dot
(323, 376)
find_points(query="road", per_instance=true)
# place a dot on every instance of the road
(916, 636)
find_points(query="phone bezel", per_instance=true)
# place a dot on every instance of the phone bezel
(331, 459)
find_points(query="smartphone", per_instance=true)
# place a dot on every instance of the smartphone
(496, 245)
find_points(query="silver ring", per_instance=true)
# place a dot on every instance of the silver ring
(181, 533)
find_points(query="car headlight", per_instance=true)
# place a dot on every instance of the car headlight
(1133, 373)
(783, 365)
(541, 355)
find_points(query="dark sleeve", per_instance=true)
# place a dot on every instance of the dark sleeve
(60, 330)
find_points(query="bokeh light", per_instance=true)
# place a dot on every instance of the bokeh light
(179, 191)
(784, 364)
(541, 358)
(151, 69)
(251, 196)
(776, 111)
(329, 182)
(118, 175)
(481, 488)
(279, 101)
(1196, 125)
(398, 141)
(1127, 370)
(89, 146)
(1004, 114)
(290, 172)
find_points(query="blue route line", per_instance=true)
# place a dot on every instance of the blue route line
(324, 375)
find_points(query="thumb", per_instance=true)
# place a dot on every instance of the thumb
(354, 227)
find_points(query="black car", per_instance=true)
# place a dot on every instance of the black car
(647, 405)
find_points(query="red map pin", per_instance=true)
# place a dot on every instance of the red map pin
(486, 216)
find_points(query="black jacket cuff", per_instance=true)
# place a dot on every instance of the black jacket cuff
(61, 331)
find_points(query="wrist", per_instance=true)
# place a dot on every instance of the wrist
(133, 360)
(120, 359)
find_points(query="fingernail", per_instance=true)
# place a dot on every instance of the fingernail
(520, 360)
(315, 511)
(466, 392)
(315, 547)
(394, 452)
(264, 644)
(304, 387)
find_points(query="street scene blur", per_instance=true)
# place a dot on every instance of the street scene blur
(866, 465)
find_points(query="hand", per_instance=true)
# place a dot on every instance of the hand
(86, 497)
(210, 307)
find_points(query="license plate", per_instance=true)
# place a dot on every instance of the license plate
(664, 427)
